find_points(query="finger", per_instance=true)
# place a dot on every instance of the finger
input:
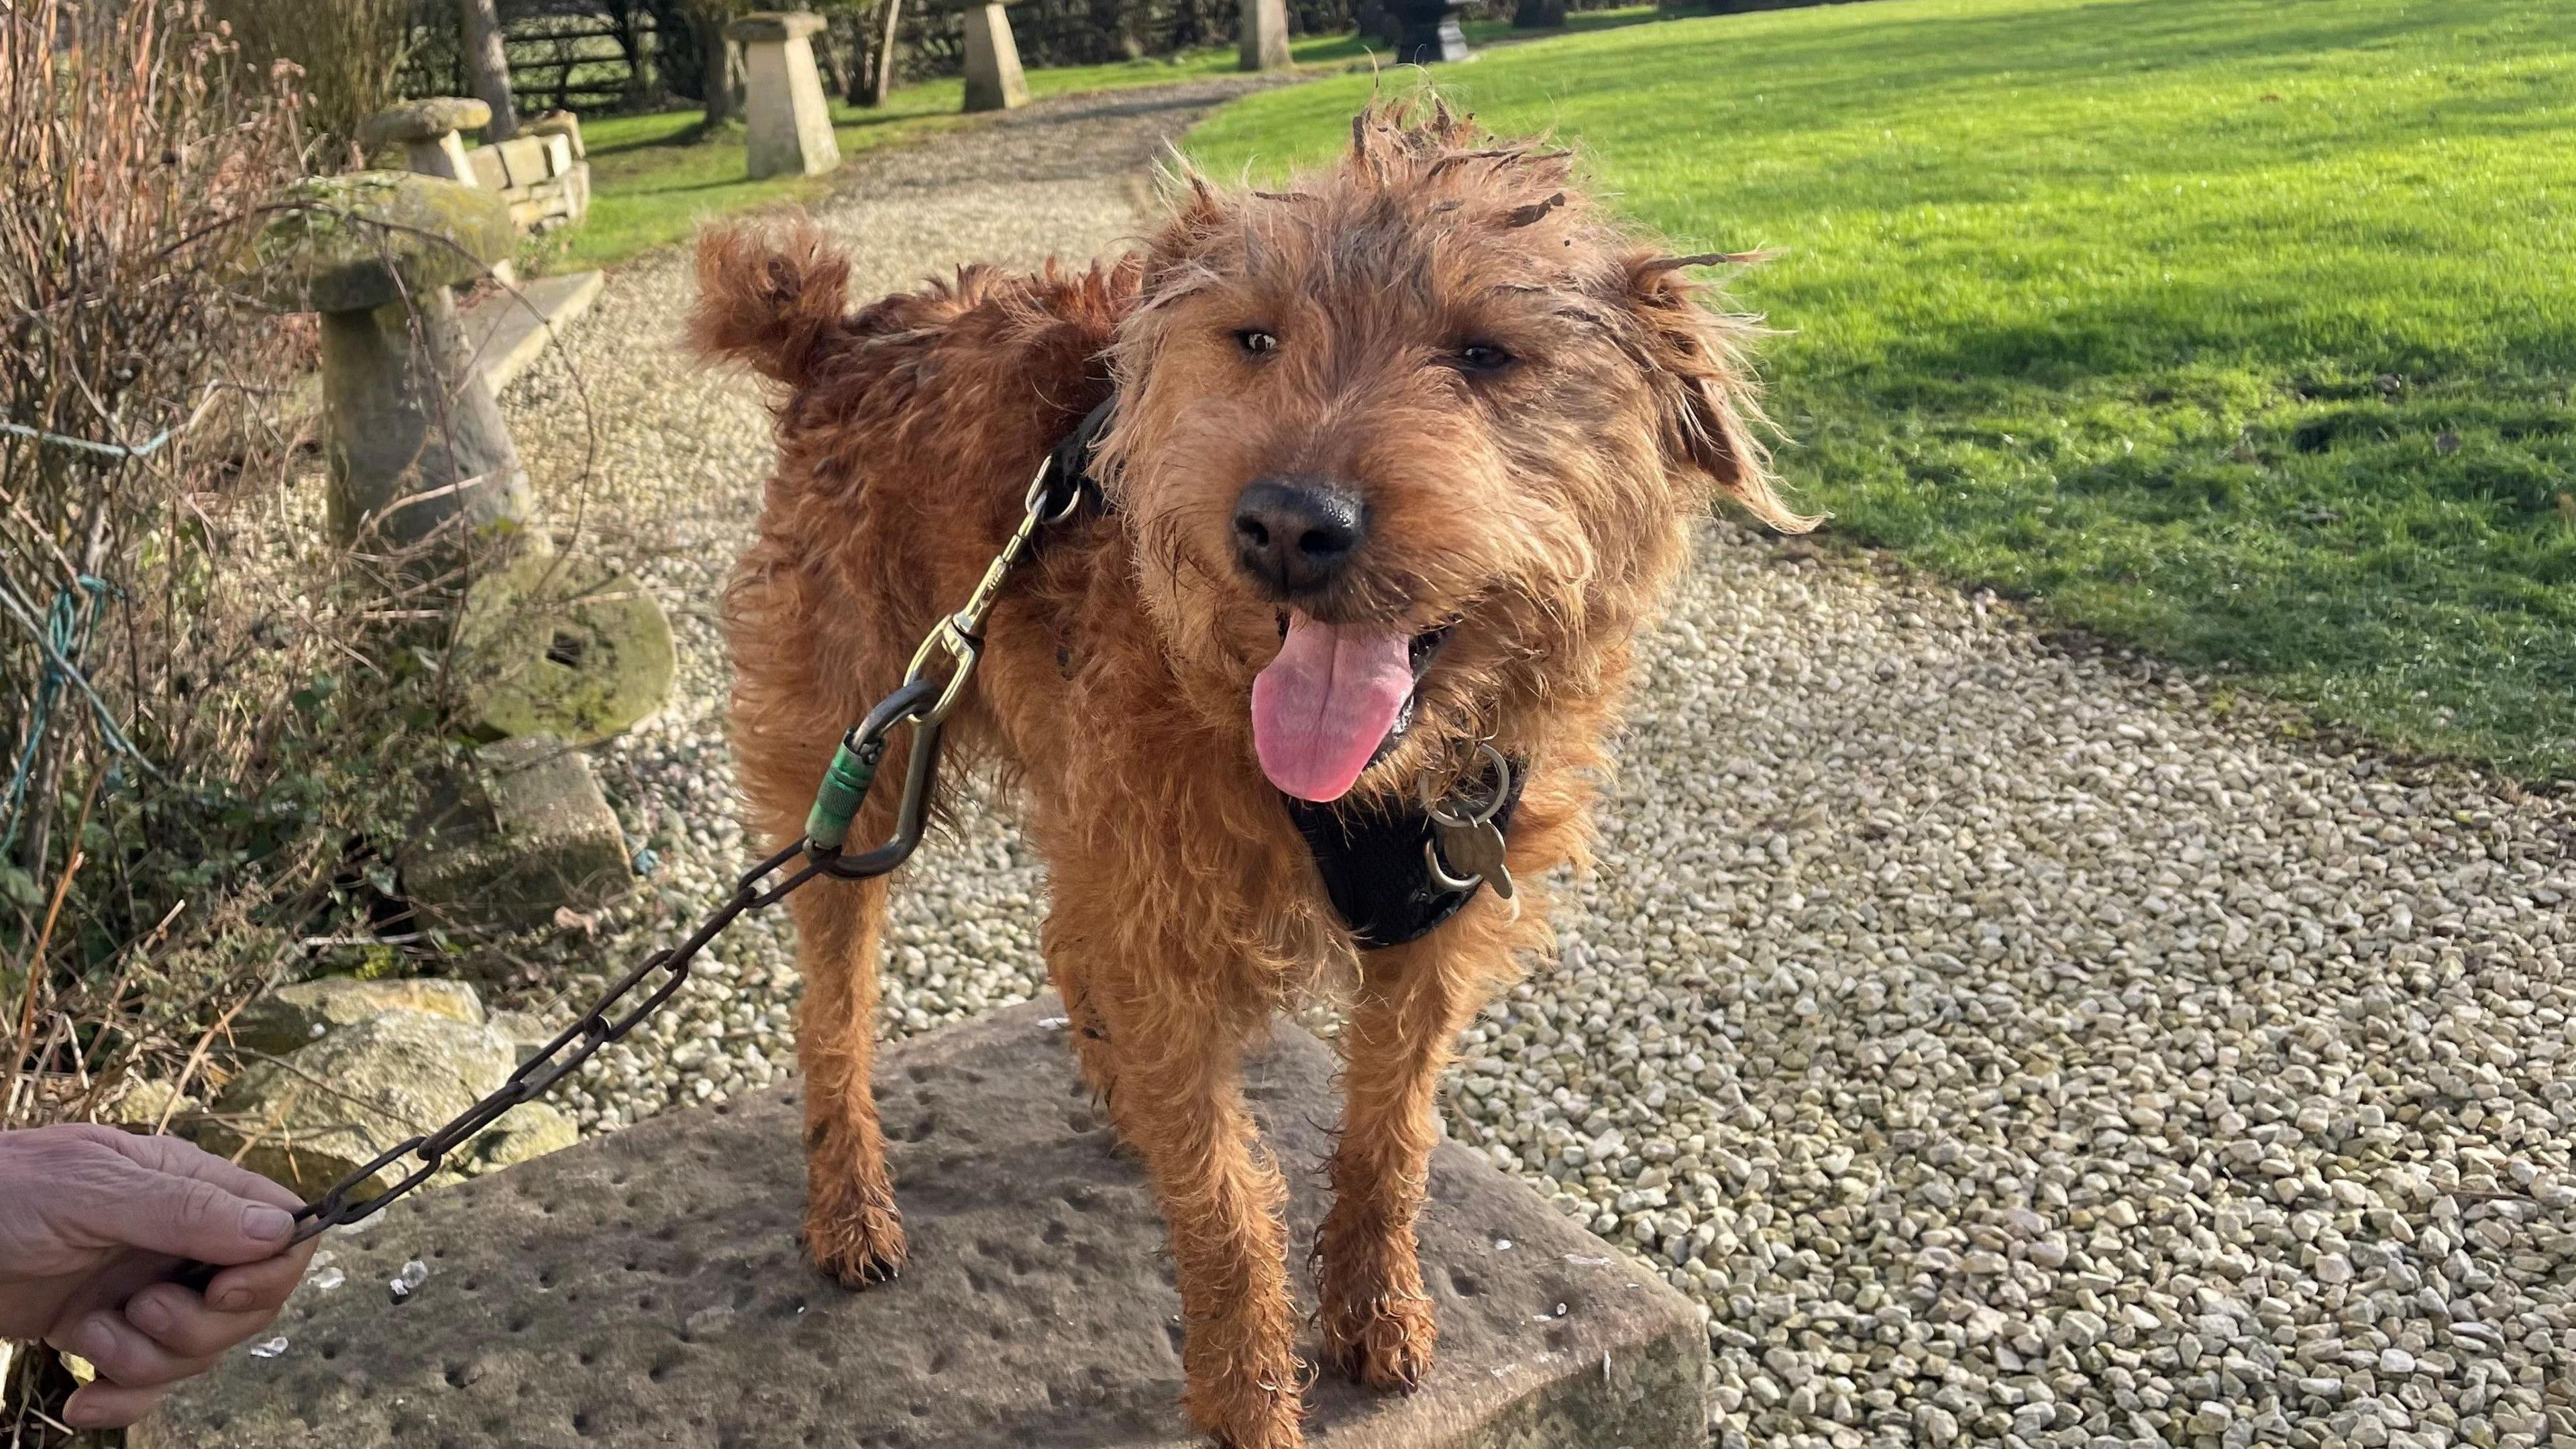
(131, 1204)
(180, 1158)
(103, 1405)
(124, 1356)
(261, 1285)
(192, 1327)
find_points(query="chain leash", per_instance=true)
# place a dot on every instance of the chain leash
(924, 700)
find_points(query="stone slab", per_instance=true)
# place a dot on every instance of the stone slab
(525, 162)
(647, 1288)
(509, 331)
(424, 120)
(357, 242)
(558, 123)
(313, 1117)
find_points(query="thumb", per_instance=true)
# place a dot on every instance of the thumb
(187, 1217)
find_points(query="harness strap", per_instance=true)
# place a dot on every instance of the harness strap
(1070, 463)
(1377, 869)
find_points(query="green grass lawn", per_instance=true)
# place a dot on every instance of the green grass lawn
(2241, 329)
(653, 178)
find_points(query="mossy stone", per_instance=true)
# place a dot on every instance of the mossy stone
(309, 1120)
(356, 242)
(293, 1016)
(517, 836)
(558, 646)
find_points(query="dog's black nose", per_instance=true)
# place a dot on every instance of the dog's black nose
(1294, 534)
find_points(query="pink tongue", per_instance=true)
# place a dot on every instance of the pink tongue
(1321, 708)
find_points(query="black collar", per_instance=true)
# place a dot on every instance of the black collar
(1375, 863)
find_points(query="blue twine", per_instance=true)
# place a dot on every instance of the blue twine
(112, 450)
(122, 452)
(65, 637)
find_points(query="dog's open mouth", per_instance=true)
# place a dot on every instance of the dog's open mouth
(1337, 697)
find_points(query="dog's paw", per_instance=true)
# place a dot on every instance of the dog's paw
(1256, 1415)
(855, 1240)
(1384, 1343)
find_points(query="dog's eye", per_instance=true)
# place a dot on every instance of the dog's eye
(1484, 357)
(1258, 342)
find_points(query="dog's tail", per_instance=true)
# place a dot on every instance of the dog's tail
(770, 296)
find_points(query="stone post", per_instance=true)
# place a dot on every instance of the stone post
(426, 130)
(417, 448)
(787, 121)
(1265, 35)
(1431, 32)
(993, 79)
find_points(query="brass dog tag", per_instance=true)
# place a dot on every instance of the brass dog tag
(1474, 850)
(1466, 846)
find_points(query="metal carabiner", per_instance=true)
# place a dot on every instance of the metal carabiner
(853, 771)
(911, 818)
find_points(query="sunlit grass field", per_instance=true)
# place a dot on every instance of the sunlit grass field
(2241, 329)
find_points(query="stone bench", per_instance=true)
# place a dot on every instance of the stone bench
(648, 1288)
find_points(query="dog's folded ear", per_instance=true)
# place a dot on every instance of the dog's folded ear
(770, 296)
(1711, 408)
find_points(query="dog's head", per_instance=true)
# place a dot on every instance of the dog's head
(1409, 445)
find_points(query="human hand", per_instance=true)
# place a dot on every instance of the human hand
(93, 1221)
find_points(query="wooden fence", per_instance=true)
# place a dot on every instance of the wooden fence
(579, 57)
(599, 55)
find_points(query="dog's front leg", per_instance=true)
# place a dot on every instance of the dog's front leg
(1413, 999)
(1175, 1051)
(1179, 1104)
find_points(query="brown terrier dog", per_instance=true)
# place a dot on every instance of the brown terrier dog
(1401, 458)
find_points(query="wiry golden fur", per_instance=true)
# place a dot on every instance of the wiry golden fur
(1543, 507)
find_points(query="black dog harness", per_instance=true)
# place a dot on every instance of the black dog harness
(1377, 864)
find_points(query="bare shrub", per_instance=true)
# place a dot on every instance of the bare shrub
(351, 53)
(205, 702)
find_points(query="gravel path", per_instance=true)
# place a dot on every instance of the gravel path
(2006, 1043)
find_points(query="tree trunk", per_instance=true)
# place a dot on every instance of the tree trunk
(722, 79)
(861, 72)
(487, 66)
(881, 74)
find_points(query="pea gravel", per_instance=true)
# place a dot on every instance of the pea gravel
(2007, 1042)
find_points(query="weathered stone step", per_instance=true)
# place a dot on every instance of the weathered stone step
(647, 1288)
(510, 330)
